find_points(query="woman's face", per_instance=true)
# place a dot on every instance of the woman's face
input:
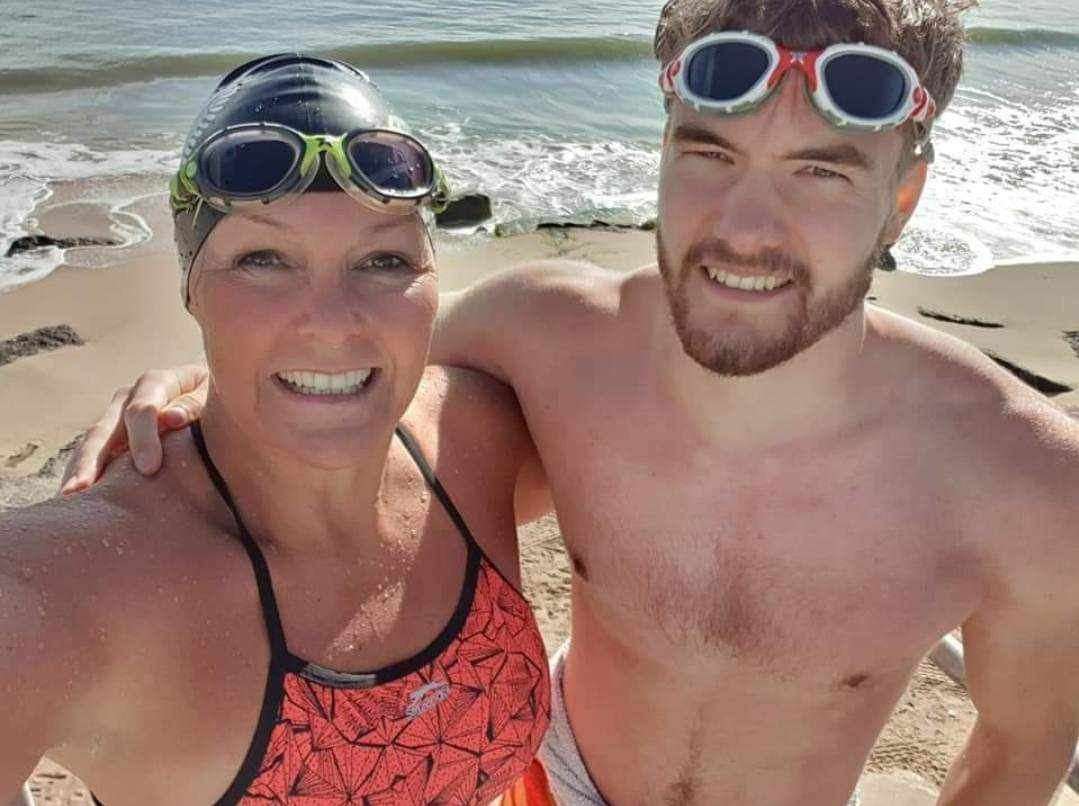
(316, 316)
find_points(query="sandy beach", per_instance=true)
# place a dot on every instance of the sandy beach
(126, 313)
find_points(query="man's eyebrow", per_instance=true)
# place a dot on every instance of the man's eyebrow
(843, 154)
(698, 134)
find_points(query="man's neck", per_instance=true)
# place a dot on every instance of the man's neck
(817, 392)
(289, 504)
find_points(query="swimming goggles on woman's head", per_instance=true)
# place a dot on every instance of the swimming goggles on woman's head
(258, 163)
(854, 86)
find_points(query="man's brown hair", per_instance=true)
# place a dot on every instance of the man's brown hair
(927, 33)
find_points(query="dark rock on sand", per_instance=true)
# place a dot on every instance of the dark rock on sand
(28, 242)
(509, 230)
(22, 455)
(466, 211)
(24, 491)
(940, 316)
(42, 340)
(887, 261)
(1046, 386)
(1072, 337)
(595, 223)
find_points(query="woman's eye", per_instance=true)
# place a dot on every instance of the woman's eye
(263, 259)
(386, 263)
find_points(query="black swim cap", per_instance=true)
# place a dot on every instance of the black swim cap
(312, 95)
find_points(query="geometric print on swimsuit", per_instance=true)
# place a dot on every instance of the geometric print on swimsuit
(360, 746)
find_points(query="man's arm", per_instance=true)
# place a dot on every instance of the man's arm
(472, 329)
(498, 325)
(1022, 671)
(160, 401)
(1022, 645)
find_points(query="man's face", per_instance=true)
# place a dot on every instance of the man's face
(770, 225)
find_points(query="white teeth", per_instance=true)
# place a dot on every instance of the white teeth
(759, 283)
(321, 383)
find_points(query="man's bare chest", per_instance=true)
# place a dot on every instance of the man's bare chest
(823, 568)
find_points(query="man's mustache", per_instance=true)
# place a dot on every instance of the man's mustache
(772, 261)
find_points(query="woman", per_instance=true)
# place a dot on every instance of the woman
(193, 638)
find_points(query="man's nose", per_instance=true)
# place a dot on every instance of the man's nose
(751, 215)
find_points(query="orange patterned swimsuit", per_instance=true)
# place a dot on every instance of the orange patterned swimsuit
(456, 724)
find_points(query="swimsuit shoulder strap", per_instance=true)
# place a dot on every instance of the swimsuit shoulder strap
(267, 600)
(429, 476)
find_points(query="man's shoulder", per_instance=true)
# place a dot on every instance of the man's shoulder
(1012, 455)
(467, 412)
(947, 371)
(562, 288)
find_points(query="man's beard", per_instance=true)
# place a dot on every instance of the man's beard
(734, 352)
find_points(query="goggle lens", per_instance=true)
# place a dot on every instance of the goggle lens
(395, 165)
(865, 86)
(726, 71)
(247, 164)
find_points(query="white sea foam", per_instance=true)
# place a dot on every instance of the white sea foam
(27, 172)
(1003, 187)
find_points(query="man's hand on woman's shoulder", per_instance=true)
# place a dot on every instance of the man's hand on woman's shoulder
(159, 402)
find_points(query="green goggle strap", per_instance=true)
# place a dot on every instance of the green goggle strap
(183, 190)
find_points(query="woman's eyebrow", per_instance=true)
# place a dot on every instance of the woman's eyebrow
(265, 220)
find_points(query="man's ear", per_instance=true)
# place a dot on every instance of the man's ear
(907, 195)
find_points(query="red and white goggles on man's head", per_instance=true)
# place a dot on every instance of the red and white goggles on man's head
(854, 86)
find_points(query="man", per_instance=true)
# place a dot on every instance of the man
(777, 499)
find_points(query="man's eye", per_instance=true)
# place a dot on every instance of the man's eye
(386, 263)
(715, 156)
(262, 259)
(818, 172)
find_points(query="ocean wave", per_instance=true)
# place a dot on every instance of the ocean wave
(90, 71)
(1025, 37)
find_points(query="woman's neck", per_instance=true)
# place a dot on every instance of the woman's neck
(290, 505)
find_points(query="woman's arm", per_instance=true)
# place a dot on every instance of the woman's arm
(35, 664)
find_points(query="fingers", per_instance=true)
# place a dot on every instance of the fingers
(141, 414)
(160, 400)
(187, 407)
(183, 411)
(101, 443)
(182, 391)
